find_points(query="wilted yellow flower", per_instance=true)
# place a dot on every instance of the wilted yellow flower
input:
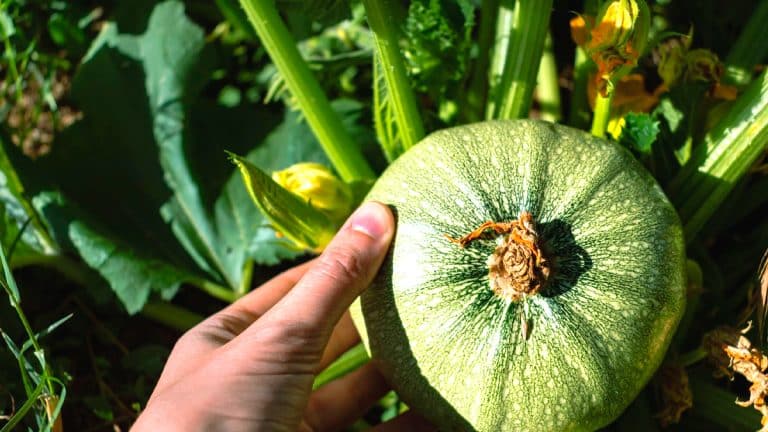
(676, 394)
(317, 185)
(580, 25)
(618, 38)
(672, 60)
(703, 65)
(731, 352)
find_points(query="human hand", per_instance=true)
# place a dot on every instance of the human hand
(251, 366)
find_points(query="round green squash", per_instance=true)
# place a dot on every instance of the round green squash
(569, 354)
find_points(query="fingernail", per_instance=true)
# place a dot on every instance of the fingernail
(372, 219)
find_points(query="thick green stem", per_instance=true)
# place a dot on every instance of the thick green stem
(73, 270)
(548, 90)
(343, 152)
(578, 114)
(215, 290)
(717, 407)
(505, 17)
(602, 114)
(749, 50)
(349, 361)
(477, 92)
(386, 37)
(245, 281)
(171, 315)
(530, 25)
(725, 155)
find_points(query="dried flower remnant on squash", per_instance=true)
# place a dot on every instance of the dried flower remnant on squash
(675, 394)
(517, 267)
(731, 352)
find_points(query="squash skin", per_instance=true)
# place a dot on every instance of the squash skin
(454, 351)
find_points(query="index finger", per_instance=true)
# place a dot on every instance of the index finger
(343, 270)
(346, 267)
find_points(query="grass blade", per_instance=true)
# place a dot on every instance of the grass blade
(22, 412)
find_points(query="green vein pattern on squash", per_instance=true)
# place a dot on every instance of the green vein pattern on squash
(570, 357)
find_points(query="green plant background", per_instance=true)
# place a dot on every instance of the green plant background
(133, 219)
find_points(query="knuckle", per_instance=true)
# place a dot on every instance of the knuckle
(189, 338)
(295, 338)
(343, 265)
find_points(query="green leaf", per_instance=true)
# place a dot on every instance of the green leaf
(7, 29)
(307, 227)
(65, 33)
(110, 185)
(132, 273)
(639, 133)
(18, 212)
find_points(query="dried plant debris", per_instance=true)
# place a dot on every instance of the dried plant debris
(732, 352)
(676, 396)
(33, 118)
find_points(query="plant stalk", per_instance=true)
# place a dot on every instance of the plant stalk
(504, 24)
(343, 152)
(578, 114)
(602, 113)
(749, 50)
(529, 29)
(386, 37)
(548, 89)
(349, 361)
(477, 93)
(214, 290)
(725, 155)
(579, 111)
(171, 315)
(717, 406)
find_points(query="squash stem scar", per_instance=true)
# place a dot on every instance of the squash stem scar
(517, 268)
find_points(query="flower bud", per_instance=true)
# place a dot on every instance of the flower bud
(671, 61)
(618, 38)
(703, 65)
(319, 187)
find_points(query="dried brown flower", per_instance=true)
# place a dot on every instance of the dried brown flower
(732, 352)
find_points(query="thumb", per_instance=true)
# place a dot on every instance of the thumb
(344, 269)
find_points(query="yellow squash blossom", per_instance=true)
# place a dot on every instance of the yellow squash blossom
(319, 187)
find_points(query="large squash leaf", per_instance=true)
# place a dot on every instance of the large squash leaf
(141, 187)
